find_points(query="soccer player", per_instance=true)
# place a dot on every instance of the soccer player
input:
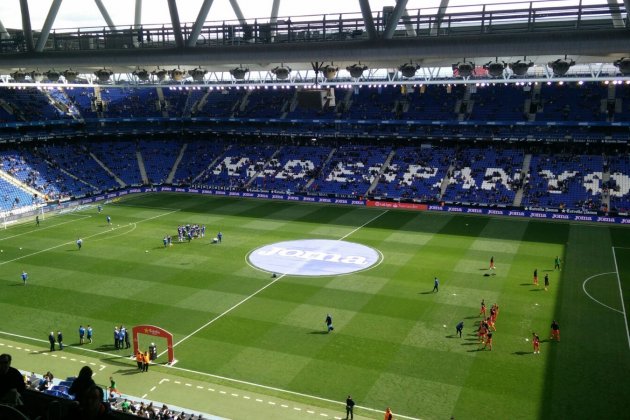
(536, 343)
(329, 324)
(100, 208)
(109, 220)
(24, 277)
(555, 331)
(490, 323)
(458, 328)
(219, 236)
(492, 267)
(388, 414)
(546, 282)
(79, 243)
(89, 333)
(556, 263)
(493, 313)
(36, 220)
(482, 331)
(482, 312)
(488, 343)
(81, 334)
(536, 277)
(436, 284)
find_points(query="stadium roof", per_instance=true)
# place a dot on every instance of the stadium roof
(592, 33)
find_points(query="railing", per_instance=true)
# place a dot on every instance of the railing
(520, 17)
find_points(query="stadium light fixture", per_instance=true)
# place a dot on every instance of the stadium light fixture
(623, 64)
(19, 76)
(495, 68)
(142, 75)
(560, 67)
(281, 72)
(160, 74)
(356, 70)
(519, 67)
(239, 73)
(176, 74)
(70, 75)
(464, 69)
(408, 70)
(52, 75)
(198, 74)
(330, 71)
(36, 76)
(103, 75)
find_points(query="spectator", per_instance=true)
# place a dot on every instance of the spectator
(11, 382)
(81, 383)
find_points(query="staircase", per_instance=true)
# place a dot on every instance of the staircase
(16, 182)
(200, 103)
(380, 173)
(518, 197)
(143, 171)
(106, 169)
(162, 104)
(330, 155)
(253, 178)
(605, 180)
(446, 180)
(171, 175)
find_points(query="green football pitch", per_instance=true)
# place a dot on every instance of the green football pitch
(251, 345)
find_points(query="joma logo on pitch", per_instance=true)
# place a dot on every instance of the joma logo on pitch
(313, 255)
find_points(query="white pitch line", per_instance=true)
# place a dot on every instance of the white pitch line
(87, 237)
(589, 295)
(363, 225)
(221, 315)
(625, 317)
(44, 228)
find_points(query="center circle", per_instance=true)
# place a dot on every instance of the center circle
(314, 257)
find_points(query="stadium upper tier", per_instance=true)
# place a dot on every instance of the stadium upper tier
(486, 174)
(595, 112)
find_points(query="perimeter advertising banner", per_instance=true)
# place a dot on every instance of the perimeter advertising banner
(551, 214)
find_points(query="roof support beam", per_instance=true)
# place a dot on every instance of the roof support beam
(48, 23)
(137, 20)
(411, 31)
(237, 11)
(440, 15)
(399, 9)
(26, 26)
(105, 14)
(367, 18)
(177, 27)
(198, 25)
(3, 32)
(275, 7)
(615, 13)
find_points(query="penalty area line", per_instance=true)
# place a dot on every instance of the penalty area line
(623, 307)
(592, 298)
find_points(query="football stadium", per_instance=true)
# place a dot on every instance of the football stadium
(415, 210)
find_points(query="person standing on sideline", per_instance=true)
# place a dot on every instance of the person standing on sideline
(146, 359)
(60, 340)
(81, 334)
(436, 284)
(89, 333)
(36, 220)
(79, 243)
(492, 267)
(555, 331)
(24, 277)
(535, 277)
(388, 414)
(556, 263)
(219, 236)
(112, 386)
(349, 408)
(546, 282)
(51, 339)
(329, 325)
(536, 343)
(458, 328)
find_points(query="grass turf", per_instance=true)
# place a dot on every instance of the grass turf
(389, 347)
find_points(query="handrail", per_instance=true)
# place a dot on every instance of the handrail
(514, 17)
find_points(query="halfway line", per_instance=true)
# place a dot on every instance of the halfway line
(258, 291)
